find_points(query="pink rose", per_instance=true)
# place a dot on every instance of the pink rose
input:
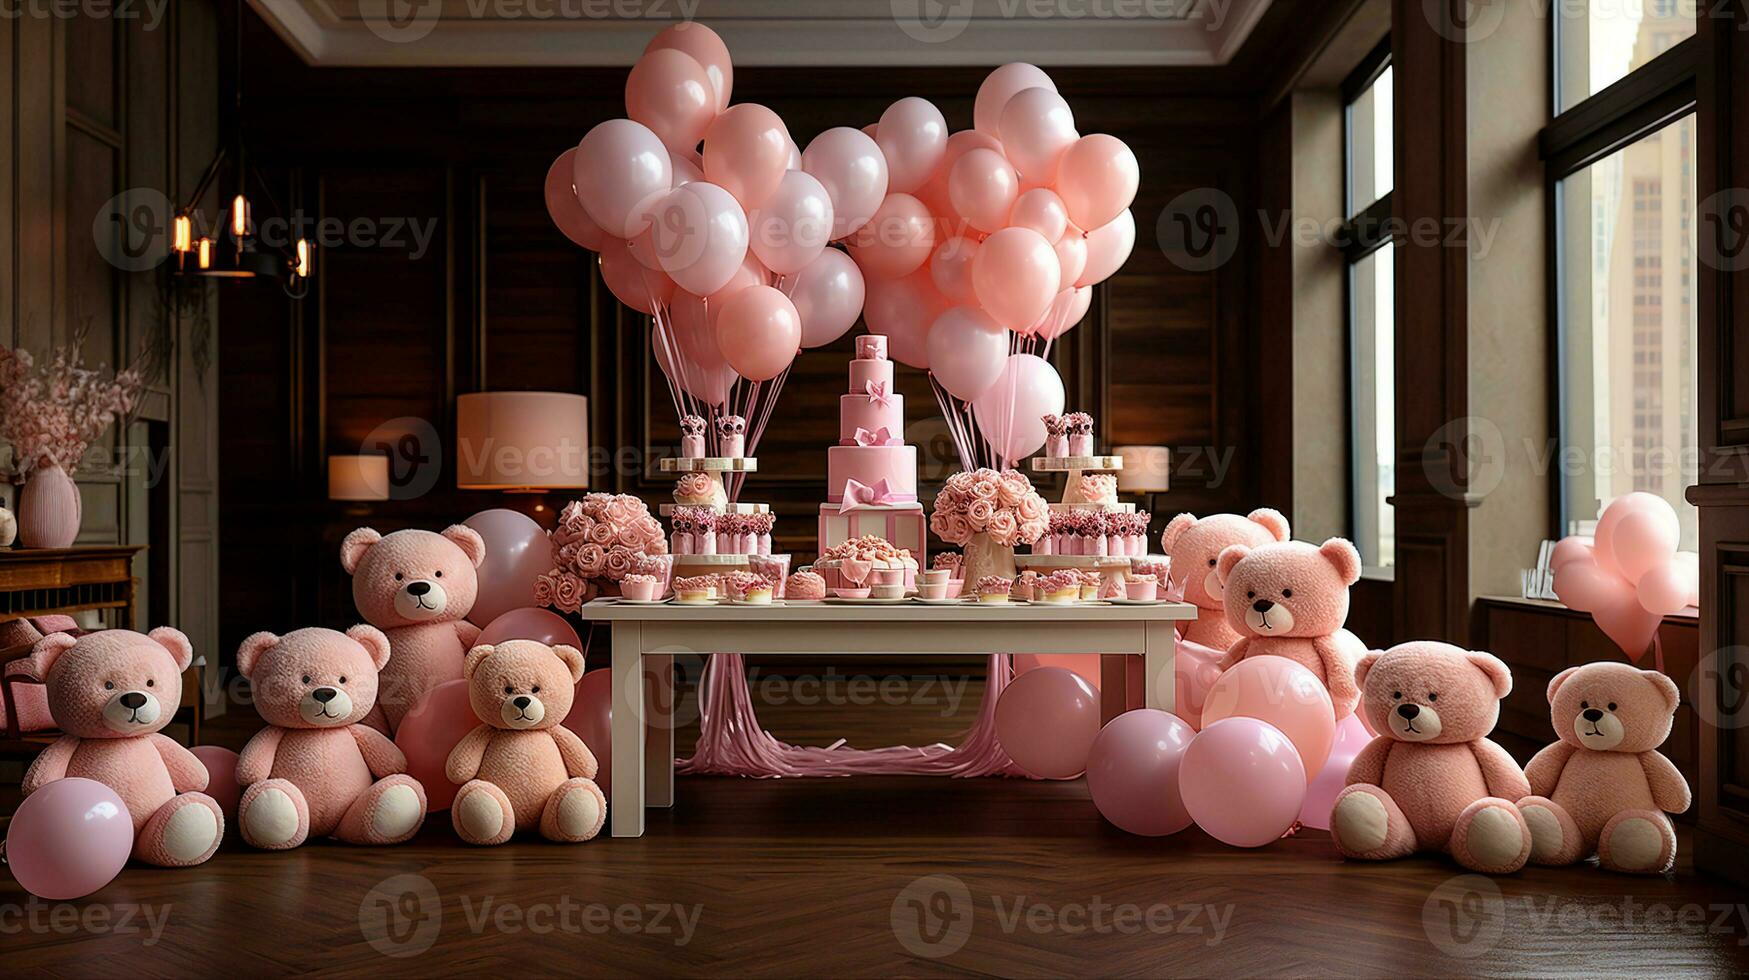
(543, 589)
(961, 529)
(1003, 527)
(601, 533)
(980, 512)
(619, 562)
(591, 559)
(569, 593)
(624, 510)
(1032, 507)
(1010, 494)
(986, 489)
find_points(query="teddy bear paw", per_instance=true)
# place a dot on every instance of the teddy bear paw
(1637, 844)
(1361, 823)
(398, 813)
(482, 814)
(271, 820)
(575, 812)
(1492, 837)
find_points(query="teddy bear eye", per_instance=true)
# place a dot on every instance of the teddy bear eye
(1585, 704)
(342, 678)
(1396, 695)
(1211, 563)
(398, 576)
(535, 689)
(439, 573)
(1612, 705)
(150, 682)
(109, 685)
(306, 678)
(1287, 593)
(1250, 595)
(1432, 696)
(508, 689)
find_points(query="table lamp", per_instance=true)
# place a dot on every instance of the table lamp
(522, 441)
(358, 477)
(1147, 470)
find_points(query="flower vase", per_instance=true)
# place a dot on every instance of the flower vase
(985, 557)
(49, 509)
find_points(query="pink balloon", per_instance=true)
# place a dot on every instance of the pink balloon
(1612, 603)
(1645, 539)
(1046, 720)
(950, 268)
(1036, 127)
(1283, 693)
(934, 193)
(591, 719)
(1132, 772)
(1041, 210)
(1108, 247)
(687, 168)
(896, 241)
(1097, 179)
(912, 135)
(1242, 782)
(1015, 276)
(1195, 670)
(828, 295)
(1620, 507)
(530, 623)
(1010, 413)
(564, 208)
(1071, 252)
(1066, 310)
(759, 332)
(429, 734)
(746, 151)
(1584, 586)
(709, 383)
(517, 553)
(967, 352)
(221, 778)
(1084, 665)
(983, 188)
(1571, 548)
(1351, 737)
(851, 168)
(1665, 590)
(68, 839)
(620, 170)
(641, 289)
(670, 93)
(793, 225)
(794, 160)
(903, 309)
(871, 131)
(751, 273)
(1001, 85)
(701, 236)
(704, 46)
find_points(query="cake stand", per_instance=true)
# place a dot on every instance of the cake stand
(1112, 569)
(714, 468)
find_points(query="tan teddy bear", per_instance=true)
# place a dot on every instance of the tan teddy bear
(1604, 787)
(522, 769)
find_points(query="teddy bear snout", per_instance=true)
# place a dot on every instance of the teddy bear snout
(325, 706)
(523, 711)
(1263, 605)
(1598, 729)
(1265, 617)
(130, 711)
(421, 599)
(1415, 722)
(1593, 714)
(1409, 711)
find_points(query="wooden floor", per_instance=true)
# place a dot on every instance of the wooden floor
(879, 876)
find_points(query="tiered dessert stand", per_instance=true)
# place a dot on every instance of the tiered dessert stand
(713, 467)
(1112, 569)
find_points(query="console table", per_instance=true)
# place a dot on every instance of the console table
(63, 581)
(647, 637)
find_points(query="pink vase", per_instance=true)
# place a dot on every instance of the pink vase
(49, 509)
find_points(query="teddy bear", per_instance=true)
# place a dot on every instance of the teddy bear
(1193, 546)
(1432, 780)
(315, 769)
(1290, 600)
(111, 692)
(418, 587)
(1604, 788)
(521, 769)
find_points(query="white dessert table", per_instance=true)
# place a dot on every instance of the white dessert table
(646, 639)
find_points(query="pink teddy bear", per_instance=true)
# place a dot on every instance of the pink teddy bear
(1290, 600)
(111, 692)
(1432, 780)
(418, 587)
(521, 769)
(315, 769)
(1194, 546)
(1604, 787)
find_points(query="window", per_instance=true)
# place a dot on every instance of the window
(1371, 310)
(1603, 41)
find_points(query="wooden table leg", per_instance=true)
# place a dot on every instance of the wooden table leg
(659, 729)
(626, 804)
(1160, 640)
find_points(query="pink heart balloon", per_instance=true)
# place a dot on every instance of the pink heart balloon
(1619, 508)
(1585, 587)
(1645, 539)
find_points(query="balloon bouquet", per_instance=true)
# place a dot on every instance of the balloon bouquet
(1630, 575)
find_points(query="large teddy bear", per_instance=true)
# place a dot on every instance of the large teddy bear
(315, 769)
(111, 692)
(1432, 780)
(1194, 546)
(1604, 787)
(418, 587)
(1290, 600)
(521, 769)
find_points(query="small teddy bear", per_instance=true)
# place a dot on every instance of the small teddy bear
(521, 769)
(1192, 547)
(691, 436)
(315, 770)
(418, 587)
(1604, 788)
(1432, 780)
(112, 692)
(731, 435)
(1290, 600)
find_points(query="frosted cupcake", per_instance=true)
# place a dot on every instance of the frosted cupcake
(992, 588)
(1063, 585)
(1142, 588)
(1089, 586)
(805, 586)
(750, 588)
(640, 588)
(695, 589)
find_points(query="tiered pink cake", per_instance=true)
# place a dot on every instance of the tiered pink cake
(871, 475)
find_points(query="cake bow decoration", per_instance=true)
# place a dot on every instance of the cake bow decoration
(878, 393)
(879, 437)
(857, 494)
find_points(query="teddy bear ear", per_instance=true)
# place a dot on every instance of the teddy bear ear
(1272, 520)
(1230, 555)
(1342, 553)
(476, 656)
(1556, 682)
(249, 654)
(469, 541)
(356, 544)
(573, 659)
(174, 640)
(1176, 529)
(1498, 673)
(1364, 666)
(44, 654)
(1667, 687)
(373, 641)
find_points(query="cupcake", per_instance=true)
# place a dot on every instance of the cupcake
(1089, 586)
(992, 588)
(1063, 585)
(694, 589)
(805, 586)
(1142, 588)
(641, 588)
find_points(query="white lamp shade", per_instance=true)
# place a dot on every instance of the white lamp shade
(1146, 469)
(522, 440)
(358, 478)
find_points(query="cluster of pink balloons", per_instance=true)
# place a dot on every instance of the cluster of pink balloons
(1630, 575)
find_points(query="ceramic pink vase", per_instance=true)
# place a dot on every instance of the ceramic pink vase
(49, 509)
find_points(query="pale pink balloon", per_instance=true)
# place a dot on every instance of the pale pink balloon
(1665, 590)
(530, 623)
(751, 273)
(903, 309)
(564, 208)
(710, 383)
(1001, 85)
(220, 764)
(828, 295)
(759, 332)
(701, 236)
(794, 161)
(746, 151)
(912, 135)
(68, 839)
(1047, 720)
(950, 268)
(704, 46)
(1283, 693)
(1108, 248)
(1604, 534)
(591, 719)
(1195, 668)
(967, 351)
(871, 129)
(641, 289)
(1010, 414)
(1015, 276)
(1585, 586)
(1067, 309)
(517, 553)
(1351, 737)
(692, 320)
(1571, 548)
(643, 248)
(1041, 210)
(1242, 782)
(896, 241)
(429, 733)
(934, 190)
(1645, 539)
(793, 225)
(1097, 179)
(983, 189)
(1612, 602)
(1071, 252)
(1084, 664)
(620, 170)
(1036, 127)
(853, 171)
(1132, 772)
(670, 93)
(687, 167)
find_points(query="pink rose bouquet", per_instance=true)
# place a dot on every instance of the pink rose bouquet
(599, 540)
(1003, 505)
